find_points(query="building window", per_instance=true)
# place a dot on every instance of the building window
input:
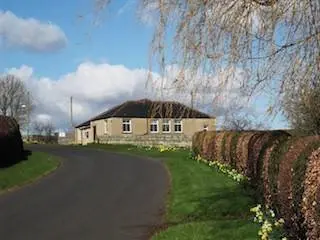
(205, 127)
(154, 126)
(178, 125)
(126, 125)
(165, 125)
(87, 134)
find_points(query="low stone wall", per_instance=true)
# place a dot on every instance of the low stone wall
(178, 140)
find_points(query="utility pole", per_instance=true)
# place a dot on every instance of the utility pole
(28, 114)
(71, 112)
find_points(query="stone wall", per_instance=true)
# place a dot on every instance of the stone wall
(179, 140)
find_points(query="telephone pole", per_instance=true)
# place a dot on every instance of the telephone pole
(28, 114)
(71, 112)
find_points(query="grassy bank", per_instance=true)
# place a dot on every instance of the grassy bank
(36, 165)
(203, 203)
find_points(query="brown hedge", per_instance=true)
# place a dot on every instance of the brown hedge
(311, 196)
(285, 170)
(271, 168)
(267, 141)
(197, 142)
(208, 145)
(233, 150)
(242, 151)
(287, 206)
(219, 146)
(226, 151)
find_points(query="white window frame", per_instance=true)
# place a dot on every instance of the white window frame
(87, 134)
(166, 122)
(154, 122)
(177, 124)
(128, 122)
(206, 127)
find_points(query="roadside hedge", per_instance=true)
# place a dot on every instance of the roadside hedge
(284, 170)
(11, 144)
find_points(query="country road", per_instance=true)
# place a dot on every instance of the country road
(93, 195)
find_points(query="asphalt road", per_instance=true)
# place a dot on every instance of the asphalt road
(93, 195)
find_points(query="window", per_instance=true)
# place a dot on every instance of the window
(165, 125)
(205, 127)
(177, 125)
(154, 126)
(87, 134)
(126, 125)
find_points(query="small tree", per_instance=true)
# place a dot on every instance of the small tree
(302, 108)
(14, 98)
(48, 129)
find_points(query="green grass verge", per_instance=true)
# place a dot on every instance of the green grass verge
(38, 164)
(203, 203)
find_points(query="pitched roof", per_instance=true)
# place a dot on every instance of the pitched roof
(146, 108)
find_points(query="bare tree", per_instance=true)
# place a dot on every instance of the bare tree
(302, 108)
(48, 128)
(14, 98)
(38, 127)
(239, 118)
(275, 42)
(44, 130)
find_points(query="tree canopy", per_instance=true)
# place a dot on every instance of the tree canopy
(276, 43)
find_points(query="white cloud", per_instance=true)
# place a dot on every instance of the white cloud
(30, 33)
(44, 118)
(95, 87)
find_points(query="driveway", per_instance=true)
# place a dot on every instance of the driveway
(93, 195)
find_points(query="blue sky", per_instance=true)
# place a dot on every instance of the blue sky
(59, 54)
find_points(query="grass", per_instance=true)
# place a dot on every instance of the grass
(26, 171)
(203, 203)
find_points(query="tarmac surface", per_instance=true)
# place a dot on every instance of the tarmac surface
(93, 195)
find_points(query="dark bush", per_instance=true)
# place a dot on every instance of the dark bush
(11, 145)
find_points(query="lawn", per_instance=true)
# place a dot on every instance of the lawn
(36, 165)
(203, 203)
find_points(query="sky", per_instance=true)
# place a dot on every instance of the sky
(61, 49)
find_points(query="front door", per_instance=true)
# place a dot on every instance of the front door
(94, 133)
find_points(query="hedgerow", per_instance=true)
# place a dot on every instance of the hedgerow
(278, 167)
